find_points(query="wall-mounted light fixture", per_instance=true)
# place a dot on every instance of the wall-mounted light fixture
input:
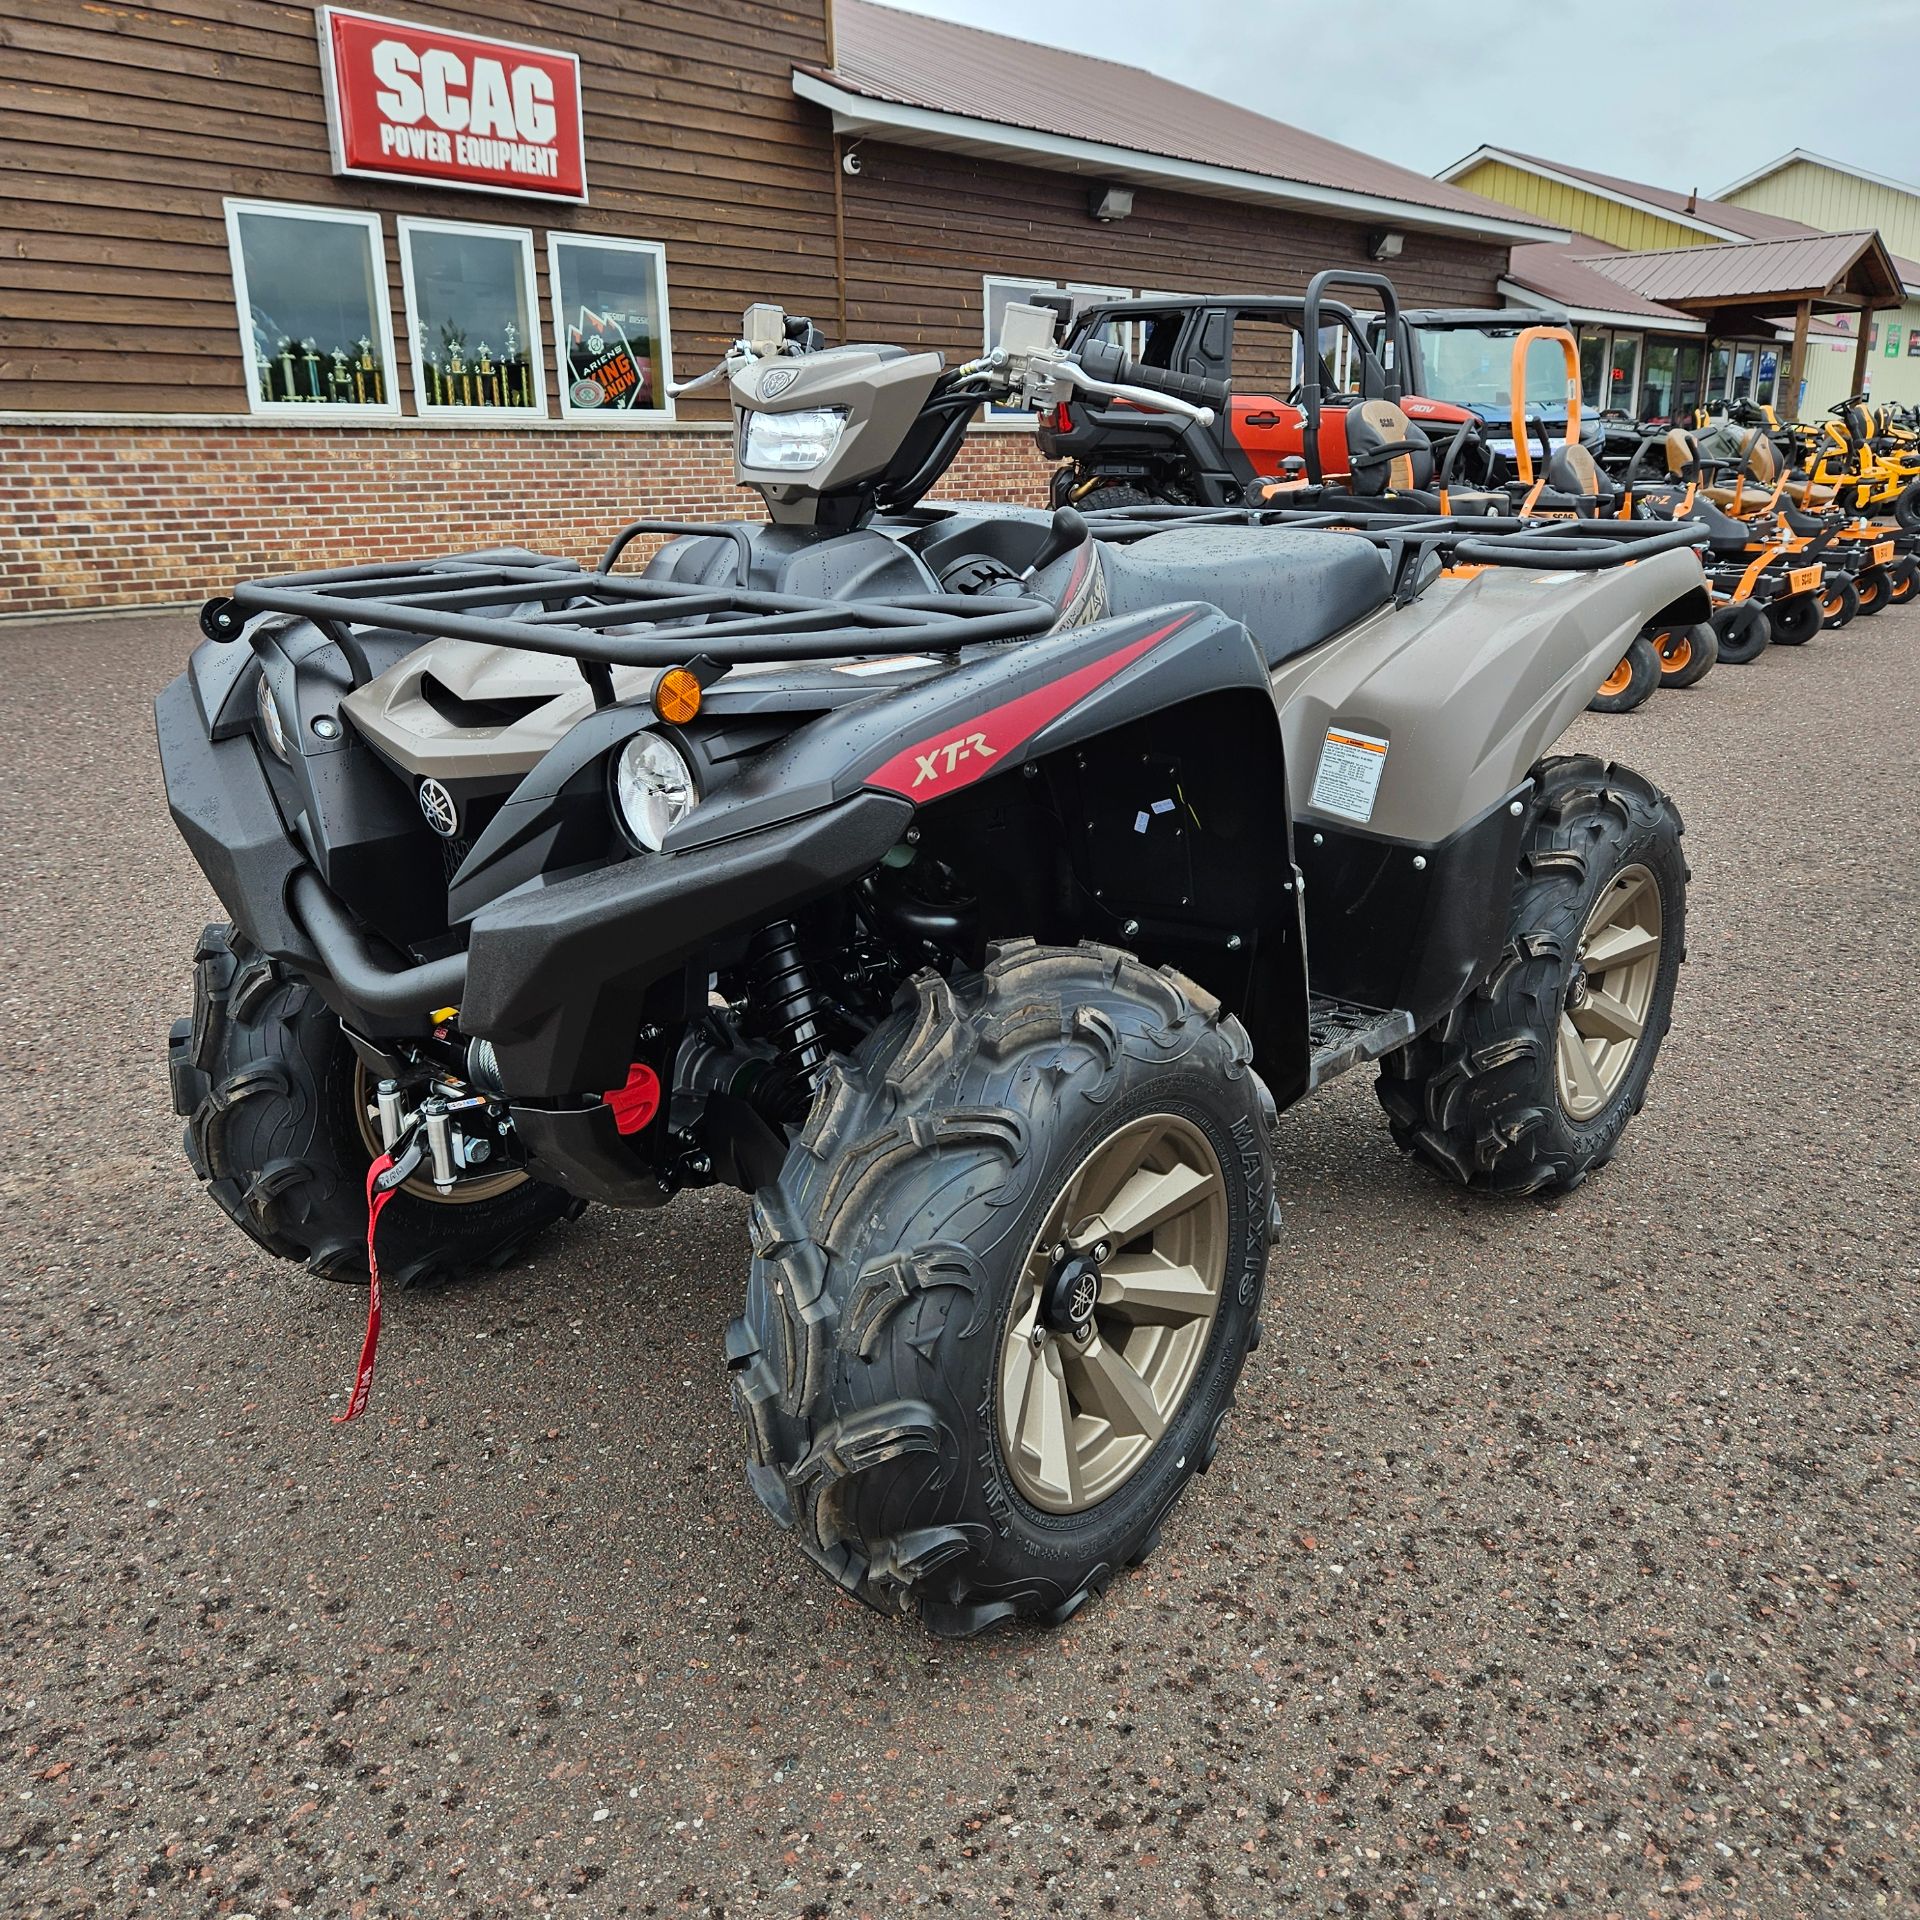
(1385, 246)
(1110, 203)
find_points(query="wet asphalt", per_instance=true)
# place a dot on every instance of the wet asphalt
(1563, 1557)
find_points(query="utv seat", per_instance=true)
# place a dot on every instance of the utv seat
(1289, 590)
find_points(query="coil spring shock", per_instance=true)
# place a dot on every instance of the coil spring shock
(784, 1007)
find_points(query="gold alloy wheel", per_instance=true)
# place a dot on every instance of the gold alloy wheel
(466, 1193)
(1608, 1004)
(1112, 1313)
(1676, 652)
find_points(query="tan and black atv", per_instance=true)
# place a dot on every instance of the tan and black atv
(967, 887)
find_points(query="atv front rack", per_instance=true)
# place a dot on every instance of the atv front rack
(1412, 543)
(513, 598)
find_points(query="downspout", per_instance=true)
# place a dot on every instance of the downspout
(839, 243)
(839, 204)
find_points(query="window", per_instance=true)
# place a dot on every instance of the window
(1593, 368)
(611, 342)
(473, 319)
(1686, 382)
(1623, 369)
(1742, 373)
(315, 327)
(1263, 355)
(1719, 361)
(997, 294)
(1663, 366)
(1473, 367)
(1768, 376)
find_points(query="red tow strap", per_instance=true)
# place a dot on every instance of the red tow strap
(383, 1182)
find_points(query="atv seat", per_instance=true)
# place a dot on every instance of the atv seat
(1289, 590)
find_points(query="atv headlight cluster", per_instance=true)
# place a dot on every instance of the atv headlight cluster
(270, 722)
(653, 789)
(793, 442)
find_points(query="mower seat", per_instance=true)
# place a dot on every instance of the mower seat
(1385, 450)
(1290, 590)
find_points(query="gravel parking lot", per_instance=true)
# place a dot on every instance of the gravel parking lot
(1562, 1558)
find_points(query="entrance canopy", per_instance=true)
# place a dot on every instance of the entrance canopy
(1734, 291)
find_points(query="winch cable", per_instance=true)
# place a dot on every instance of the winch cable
(385, 1178)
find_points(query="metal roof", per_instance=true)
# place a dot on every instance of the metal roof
(1753, 270)
(931, 82)
(1744, 221)
(1713, 217)
(1566, 275)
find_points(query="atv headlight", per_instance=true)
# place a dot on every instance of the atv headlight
(793, 442)
(653, 789)
(270, 721)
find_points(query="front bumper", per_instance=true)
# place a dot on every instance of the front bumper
(553, 976)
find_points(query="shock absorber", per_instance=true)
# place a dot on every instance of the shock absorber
(784, 1006)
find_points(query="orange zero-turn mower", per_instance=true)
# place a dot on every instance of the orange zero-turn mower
(1571, 485)
(1768, 582)
(1870, 565)
(1568, 485)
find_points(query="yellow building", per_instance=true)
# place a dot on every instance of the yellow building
(1679, 298)
(1835, 197)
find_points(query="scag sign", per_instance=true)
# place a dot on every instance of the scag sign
(416, 103)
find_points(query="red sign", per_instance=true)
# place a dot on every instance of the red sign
(416, 103)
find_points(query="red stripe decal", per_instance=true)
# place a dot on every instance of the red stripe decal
(964, 750)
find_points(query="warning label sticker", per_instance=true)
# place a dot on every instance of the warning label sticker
(1349, 774)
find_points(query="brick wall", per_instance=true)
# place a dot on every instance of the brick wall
(110, 516)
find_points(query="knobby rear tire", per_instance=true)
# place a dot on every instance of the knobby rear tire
(1113, 493)
(886, 1258)
(1477, 1098)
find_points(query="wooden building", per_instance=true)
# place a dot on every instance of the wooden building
(294, 286)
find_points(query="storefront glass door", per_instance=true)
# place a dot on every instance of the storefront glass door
(1623, 371)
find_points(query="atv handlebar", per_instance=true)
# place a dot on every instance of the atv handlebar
(1069, 373)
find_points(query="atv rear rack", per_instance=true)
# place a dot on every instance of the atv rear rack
(1410, 541)
(513, 598)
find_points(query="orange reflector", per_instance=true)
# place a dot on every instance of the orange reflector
(676, 696)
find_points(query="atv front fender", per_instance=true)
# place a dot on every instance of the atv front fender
(556, 975)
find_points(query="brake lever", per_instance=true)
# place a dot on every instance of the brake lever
(1071, 373)
(721, 370)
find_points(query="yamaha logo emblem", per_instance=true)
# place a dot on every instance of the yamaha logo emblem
(776, 382)
(1082, 1301)
(436, 803)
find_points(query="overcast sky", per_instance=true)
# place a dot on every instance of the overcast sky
(1682, 93)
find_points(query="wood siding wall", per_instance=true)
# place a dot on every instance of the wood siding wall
(924, 228)
(1580, 211)
(127, 125)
